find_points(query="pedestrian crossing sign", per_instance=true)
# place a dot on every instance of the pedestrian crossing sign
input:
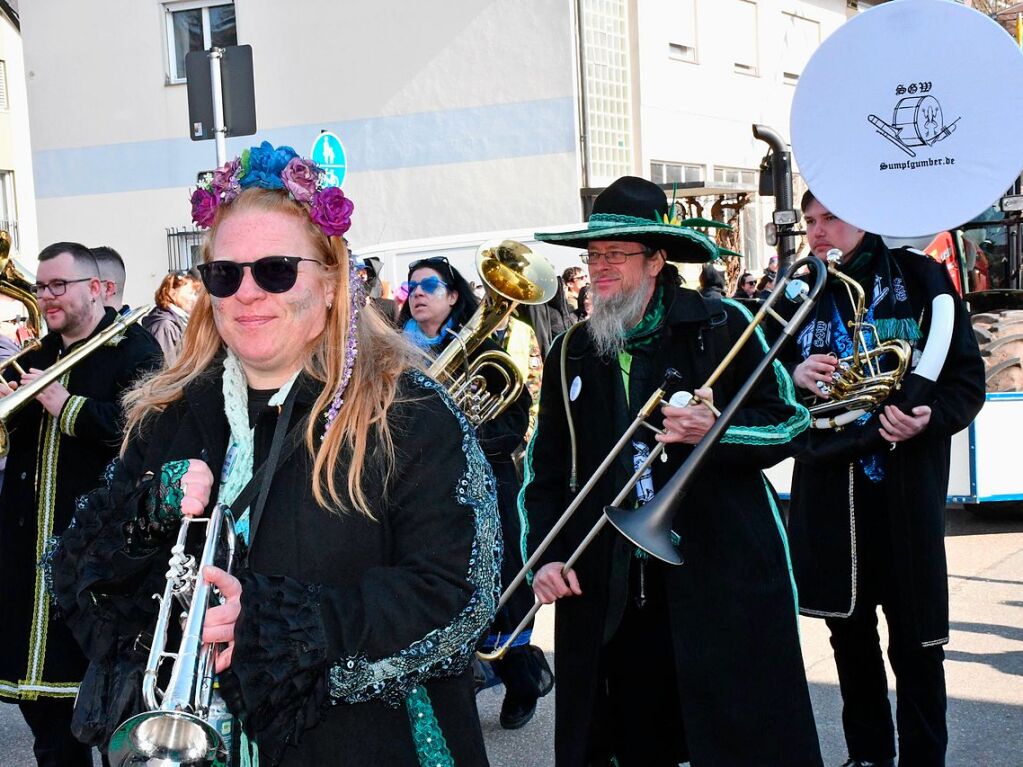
(329, 153)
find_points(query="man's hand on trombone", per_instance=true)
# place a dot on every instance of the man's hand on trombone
(687, 425)
(549, 584)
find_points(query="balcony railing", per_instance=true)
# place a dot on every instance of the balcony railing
(183, 248)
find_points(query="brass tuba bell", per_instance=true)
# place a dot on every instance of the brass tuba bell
(512, 274)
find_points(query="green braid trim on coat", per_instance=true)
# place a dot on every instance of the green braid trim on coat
(784, 541)
(774, 434)
(431, 747)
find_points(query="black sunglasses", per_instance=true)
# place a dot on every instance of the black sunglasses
(274, 274)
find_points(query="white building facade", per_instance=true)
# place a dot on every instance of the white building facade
(458, 116)
(17, 192)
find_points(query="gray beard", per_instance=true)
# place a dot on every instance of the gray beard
(612, 318)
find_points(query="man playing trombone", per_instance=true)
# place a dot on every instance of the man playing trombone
(658, 665)
(60, 445)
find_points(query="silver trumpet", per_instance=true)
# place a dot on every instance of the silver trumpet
(174, 731)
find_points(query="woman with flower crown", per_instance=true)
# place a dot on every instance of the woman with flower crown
(365, 504)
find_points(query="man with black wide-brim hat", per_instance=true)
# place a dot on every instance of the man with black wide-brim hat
(656, 664)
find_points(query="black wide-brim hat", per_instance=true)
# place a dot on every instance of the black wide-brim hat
(636, 210)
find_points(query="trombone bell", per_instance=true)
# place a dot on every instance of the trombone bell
(649, 530)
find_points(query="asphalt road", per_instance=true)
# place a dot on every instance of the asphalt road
(984, 666)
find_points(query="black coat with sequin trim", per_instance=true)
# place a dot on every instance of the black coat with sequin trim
(345, 621)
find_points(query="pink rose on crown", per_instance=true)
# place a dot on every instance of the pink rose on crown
(224, 184)
(332, 211)
(300, 179)
(204, 208)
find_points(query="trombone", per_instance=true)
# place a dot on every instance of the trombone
(174, 731)
(649, 528)
(23, 395)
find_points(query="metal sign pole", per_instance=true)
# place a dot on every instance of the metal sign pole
(219, 128)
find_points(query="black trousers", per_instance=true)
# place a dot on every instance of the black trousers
(638, 704)
(50, 722)
(919, 671)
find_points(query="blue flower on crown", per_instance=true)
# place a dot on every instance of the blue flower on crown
(262, 165)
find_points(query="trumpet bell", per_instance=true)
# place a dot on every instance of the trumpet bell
(167, 739)
(648, 527)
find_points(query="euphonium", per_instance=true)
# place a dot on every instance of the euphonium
(14, 285)
(512, 274)
(174, 732)
(865, 378)
(23, 395)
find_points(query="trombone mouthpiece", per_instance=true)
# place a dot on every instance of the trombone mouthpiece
(834, 256)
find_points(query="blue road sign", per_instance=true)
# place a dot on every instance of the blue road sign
(329, 153)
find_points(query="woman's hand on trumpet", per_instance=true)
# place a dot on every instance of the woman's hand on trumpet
(815, 371)
(196, 484)
(687, 425)
(220, 620)
(549, 584)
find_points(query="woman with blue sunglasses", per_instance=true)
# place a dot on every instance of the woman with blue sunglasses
(440, 301)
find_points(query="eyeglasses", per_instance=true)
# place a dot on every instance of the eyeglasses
(56, 287)
(613, 257)
(274, 274)
(429, 285)
(750, 282)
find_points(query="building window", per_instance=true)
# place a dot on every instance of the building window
(196, 26)
(4, 104)
(679, 20)
(675, 173)
(802, 36)
(8, 208)
(608, 90)
(744, 37)
(735, 177)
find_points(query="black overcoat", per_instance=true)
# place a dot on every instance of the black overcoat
(52, 462)
(343, 618)
(823, 507)
(732, 604)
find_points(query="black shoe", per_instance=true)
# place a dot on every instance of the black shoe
(515, 715)
(862, 763)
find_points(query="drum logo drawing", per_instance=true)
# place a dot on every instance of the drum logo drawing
(917, 119)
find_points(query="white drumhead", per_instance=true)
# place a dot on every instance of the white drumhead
(906, 120)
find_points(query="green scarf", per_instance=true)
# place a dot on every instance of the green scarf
(648, 330)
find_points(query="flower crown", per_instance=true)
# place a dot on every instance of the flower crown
(269, 168)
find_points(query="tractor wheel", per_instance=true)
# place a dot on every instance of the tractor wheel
(1000, 336)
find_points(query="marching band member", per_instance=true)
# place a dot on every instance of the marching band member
(660, 665)
(373, 546)
(60, 445)
(439, 303)
(868, 504)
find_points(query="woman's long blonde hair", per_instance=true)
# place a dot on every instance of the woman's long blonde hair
(383, 355)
